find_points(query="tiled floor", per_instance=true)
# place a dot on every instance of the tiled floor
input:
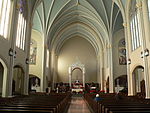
(78, 105)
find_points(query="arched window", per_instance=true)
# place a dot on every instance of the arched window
(4, 17)
(21, 25)
(135, 30)
(149, 8)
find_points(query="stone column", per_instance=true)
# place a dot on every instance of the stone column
(55, 68)
(146, 34)
(100, 70)
(143, 16)
(43, 77)
(103, 69)
(69, 70)
(110, 70)
(27, 47)
(128, 52)
(7, 88)
(52, 69)
(5, 75)
(84, 77)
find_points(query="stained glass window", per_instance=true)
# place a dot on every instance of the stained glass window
(135, 31)
(149, 8)
(21, 26)
(4, 17)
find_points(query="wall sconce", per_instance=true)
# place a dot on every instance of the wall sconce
(11, 52)
(142, 54)
(27, 61)
(129, 61)
(146, 52)
(15, 54)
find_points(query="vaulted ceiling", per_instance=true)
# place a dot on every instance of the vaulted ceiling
(94, 20)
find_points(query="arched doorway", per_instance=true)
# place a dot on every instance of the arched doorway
(18, 81)
(77, 75)
(73, 67)
(138, 80)
(34, 83)
(1, 77)
(122, 82)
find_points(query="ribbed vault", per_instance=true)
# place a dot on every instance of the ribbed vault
(94, 20)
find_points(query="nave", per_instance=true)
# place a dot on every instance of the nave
(72, 103)
(78, 105)
(51, 49)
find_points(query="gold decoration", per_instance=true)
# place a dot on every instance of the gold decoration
(109, 46)
(124, 24)
(139, 5)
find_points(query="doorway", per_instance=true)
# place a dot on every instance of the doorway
(1, 77)
(18, 81)
(138, 80)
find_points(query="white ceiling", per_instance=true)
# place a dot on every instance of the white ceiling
(94, 20)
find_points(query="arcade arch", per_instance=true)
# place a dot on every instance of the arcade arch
(3, 77)
(75, 66)
(138, 80)
(18, 80)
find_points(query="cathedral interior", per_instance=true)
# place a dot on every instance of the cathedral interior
(71, 50)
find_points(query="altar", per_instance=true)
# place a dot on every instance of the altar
(77, 90)
(77, 87)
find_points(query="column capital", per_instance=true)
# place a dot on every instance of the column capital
(124, 24)
(30, 24)
(139, 5)
(109, 46)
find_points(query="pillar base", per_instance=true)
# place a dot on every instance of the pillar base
(130, 94)
(147, 97)
(111, 91)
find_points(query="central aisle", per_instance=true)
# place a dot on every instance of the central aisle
(78, 105)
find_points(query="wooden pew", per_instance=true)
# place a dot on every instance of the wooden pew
(54, 103)
(24, 111)
(109, 104)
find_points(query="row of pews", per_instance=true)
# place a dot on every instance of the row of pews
(36, 103)
(112, 103)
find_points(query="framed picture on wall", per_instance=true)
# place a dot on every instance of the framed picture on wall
(122, 52)
(33, 52)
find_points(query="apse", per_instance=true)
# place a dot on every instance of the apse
(77, 50)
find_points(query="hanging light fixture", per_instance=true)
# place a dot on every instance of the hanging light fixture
(129, 61)
(142, 54)
(11, 53)
(27, 61)
(20, 6)
(146, 52)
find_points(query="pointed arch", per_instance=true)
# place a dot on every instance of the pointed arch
(5, 74)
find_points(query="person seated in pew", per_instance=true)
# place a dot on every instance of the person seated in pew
(97, 98)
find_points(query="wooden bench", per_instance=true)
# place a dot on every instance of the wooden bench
(41, 103)
(109, 104)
